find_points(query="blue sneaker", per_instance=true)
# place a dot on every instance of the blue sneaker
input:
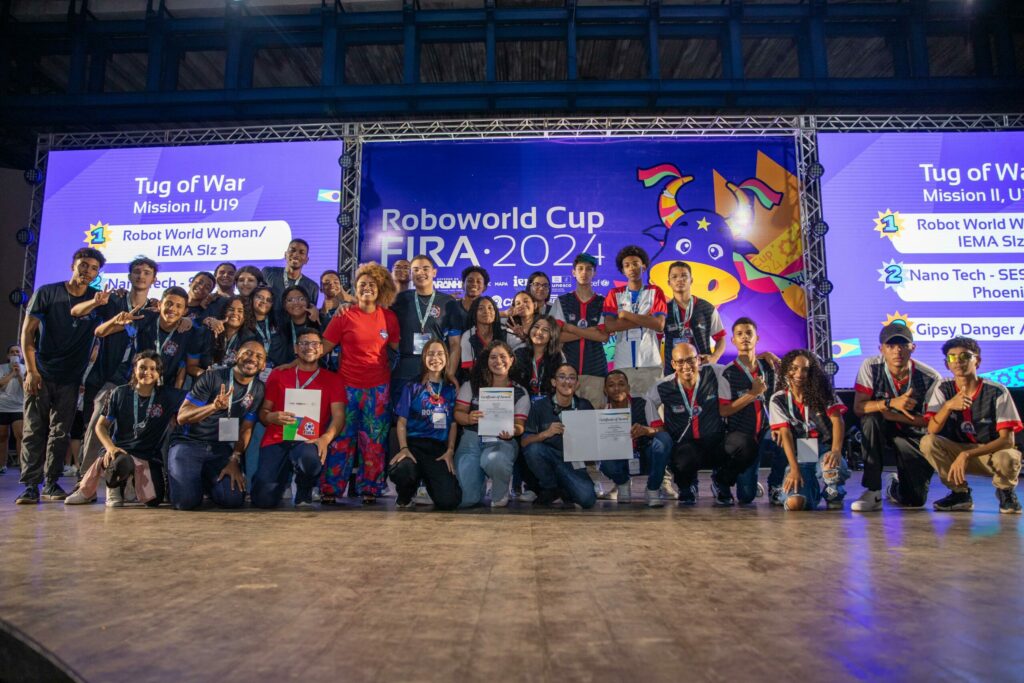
(688, 496)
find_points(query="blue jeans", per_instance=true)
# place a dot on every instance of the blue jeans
(657, 452)
(475, 461)
(252, 452)
(746, 484)
(812, 472)
(277, 464)
(554, 473)
(192, 469)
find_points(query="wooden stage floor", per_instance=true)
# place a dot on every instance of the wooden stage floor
(375, 594)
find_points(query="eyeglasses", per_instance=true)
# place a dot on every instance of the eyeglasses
(566, 378)
(685, 361)
(540, 285)
(962, 357)
(295, 300)
(309, 344)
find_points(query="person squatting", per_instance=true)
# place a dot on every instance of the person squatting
(192, 397)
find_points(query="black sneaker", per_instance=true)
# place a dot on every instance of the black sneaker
(30, 496)
(892, 491)
(1008, 503)
(547, 497)
(956, 501)
(723, 495)
(303, 499)
(53, 492)
(688, 496)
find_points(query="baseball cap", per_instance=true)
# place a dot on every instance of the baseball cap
(894, 331)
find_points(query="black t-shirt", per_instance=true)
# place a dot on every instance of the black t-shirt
(155, 412)
(246, 400)
(544, 411)
(174, 347)
(232, 345)
(754, 418)
(991, 409)
(267, 334)
(409, 307)
(873, 381)
(702, 329)
(585, 355)
(278, 282)
(643, 412)
(115, 349)
(458, 318)
(707, 422)
(64, 342)
(282, 342)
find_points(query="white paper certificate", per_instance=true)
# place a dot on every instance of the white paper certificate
(597, 435)
(498, 406)
(305, 405)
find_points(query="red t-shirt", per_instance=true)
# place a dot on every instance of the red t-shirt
(363, 338)
(333, 391)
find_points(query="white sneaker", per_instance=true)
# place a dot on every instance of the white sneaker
(654, 499)
(70, 471)
(611, 494)
(625, 492)
(78, 498)
(501, 502)
(869, 501)
(422, 497)
(760, 490)
(114, 498)
(668, 490)
(317, 497)
(527, 496)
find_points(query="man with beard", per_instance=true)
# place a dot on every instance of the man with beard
(214, 425)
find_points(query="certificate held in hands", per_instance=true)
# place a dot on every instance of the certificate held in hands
(304, 404)
(597, 435)
(498, 406)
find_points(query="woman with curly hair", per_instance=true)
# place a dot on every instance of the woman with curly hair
(485, 327)
(233, 330)
(479, 457)
(247, 279)
(807, 419)
(537, 361)
(366, 333)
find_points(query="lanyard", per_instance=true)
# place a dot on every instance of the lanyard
(231, 388)
(535, 366)
(804, 420)
(308, 381)
(160, 345)
(264, 333)
(139, 426)
(232, 343)
(425, 314)
(557, 409)
(689, 314)
(759, 405)
(436, 399)
(634, 302)
(686, 399)
(294, 338)
(892, 381)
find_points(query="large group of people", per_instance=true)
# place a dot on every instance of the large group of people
(185, 399)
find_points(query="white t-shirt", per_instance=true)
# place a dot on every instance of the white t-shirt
(12, 396)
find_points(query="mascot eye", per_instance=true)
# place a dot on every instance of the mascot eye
(715, 252)
(684, 245)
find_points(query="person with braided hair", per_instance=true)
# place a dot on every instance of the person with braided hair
(807, 419)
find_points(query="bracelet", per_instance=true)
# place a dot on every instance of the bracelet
(888, 405)
(236, 457)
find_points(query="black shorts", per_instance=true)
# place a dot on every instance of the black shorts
(77, 427)
(9, 418)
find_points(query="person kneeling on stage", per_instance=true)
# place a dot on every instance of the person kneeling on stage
(214, 425)
(647, 439)
(479, 457)
(542, 444)
(139, 412)
(295, 444)
(970, 431)
(890, 393)
(426, 434)
(690, 398)
(808, 419)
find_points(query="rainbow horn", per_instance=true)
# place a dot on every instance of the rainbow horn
(668, 207)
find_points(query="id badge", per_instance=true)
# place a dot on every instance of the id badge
(440, 420)
(806, 450)
(419, 340)
(634, 464)
(227, 429)
(634, 334)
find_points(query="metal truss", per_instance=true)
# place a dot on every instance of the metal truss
(904, 122)
(816, 284)
(348, 219)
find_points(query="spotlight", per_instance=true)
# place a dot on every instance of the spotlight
(819, 228)
(34, 176)
(346, 161)
(345, 220)
(815, 171)
(823, 286)
(831, 367)
(25, 236)
(18, 297)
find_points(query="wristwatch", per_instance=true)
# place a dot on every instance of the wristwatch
(888, 404)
